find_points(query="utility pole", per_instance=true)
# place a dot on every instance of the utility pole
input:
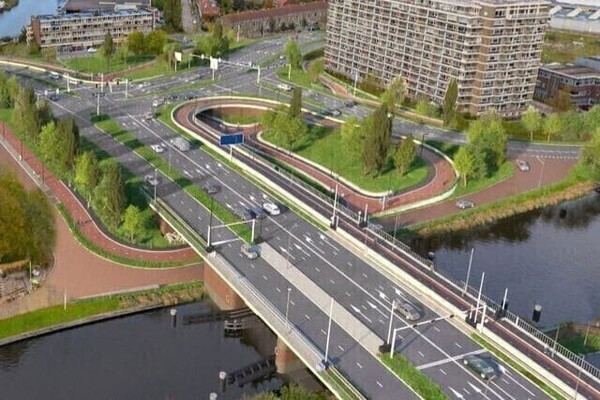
(325, 361)
(287, 308)
(468, 272)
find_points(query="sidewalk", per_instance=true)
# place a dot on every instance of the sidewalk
(60, 193)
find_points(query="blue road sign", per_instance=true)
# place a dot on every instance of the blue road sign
(232, 138)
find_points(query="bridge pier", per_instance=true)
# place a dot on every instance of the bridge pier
(220, 292)
(286, 360)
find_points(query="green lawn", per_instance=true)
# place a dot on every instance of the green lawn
(240, 119)
(47, 317)
(574, 342)
(504, 172)
(565, 47)
(96, 64)
(299, 78)
(414, 378)
(326, 148)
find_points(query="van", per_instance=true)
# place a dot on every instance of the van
(284, 86)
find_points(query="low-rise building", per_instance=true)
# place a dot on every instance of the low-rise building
(259, 22)
(209, 9)
(575, 18)
(87, 29)
(77, 6)
(581, 80)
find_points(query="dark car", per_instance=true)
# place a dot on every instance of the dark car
(243, 213)
(480, 366)
(257, 212)
(211, 189)
(349, 103)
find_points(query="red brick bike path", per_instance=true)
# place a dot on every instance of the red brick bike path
(60, 192)
(441, 174)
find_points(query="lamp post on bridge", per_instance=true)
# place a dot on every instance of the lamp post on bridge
(209, 247)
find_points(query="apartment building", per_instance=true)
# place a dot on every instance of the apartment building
(581, 80)
(259, 22)
(87, 29)
(492, 47)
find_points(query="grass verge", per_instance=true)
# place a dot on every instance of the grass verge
(323, 147)
(55, 315)
(414, 378)
(97, 64)
(114, 129)
(538, 382)
(91, 246)
(565, 47)
(504, 172)
(574, 342)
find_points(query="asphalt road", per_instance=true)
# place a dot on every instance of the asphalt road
(436, 349)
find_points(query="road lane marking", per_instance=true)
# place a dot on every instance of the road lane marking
(359, 366)
(379, 384)
(449, 359)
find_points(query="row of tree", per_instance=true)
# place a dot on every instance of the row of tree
(27, 227)
(214, 45)
(568, 126)
(151, 43)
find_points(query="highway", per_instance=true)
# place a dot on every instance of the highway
(346, 276)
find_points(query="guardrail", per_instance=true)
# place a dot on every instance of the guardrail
(274, 318)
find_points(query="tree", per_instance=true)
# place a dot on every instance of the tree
(52, 149)
(108, 48)
(371, 84)
(87, 173)
(44, 112)
(133, 221)
(172, 15)
(553, 125)
(221, 42)
(155, 42)
(12, 219)
(315, 69)
(532, 120)
(351, 135)
(5, 101)
(26, 112)
(592, 120)
(378, 133)
(272, 24)
(405, 155)
(464, 162)
(109, 195)
(590, 156)
(394, 94)
(295, 109)
(573, 125)
(426, 108)
(136, 43)
(69, 132)
(268, 4)
(487, 137)
(292, 52)
(41, 227)
(561, 101)
(450, 98)
(294, 129)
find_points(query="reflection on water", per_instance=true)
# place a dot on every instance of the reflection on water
(549, 256)
(137, 357)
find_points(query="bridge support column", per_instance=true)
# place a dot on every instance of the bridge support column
(285, 359)
(220, 292)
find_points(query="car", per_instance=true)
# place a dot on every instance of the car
(257, 213)
(159, 148)
(243, 213)
(284, 86)
(54, 75)
(91, 50)
(249, 251)
(326, 112)
(336, 113)
(522, 165)
(148, 116)
(157, 103)
(597, 190)
(349, 103)
(408, 311)
(463, 204)
(271, 208)
(152, 180)
(211, 189)
(53, 97)
(480, 366)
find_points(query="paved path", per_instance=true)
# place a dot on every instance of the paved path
(86, 224)
(79, 273)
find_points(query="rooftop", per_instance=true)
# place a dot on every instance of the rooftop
(275, 12)
(577, 13)
(101, 13)
(88, 5)
(572, 70)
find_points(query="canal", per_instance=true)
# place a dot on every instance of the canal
(11, 22)
(549, 257)
(136, 357)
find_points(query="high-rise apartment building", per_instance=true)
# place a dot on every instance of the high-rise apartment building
(492, 47)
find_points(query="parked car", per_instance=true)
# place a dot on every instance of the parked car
(159, 148)
(271, 208)
(464, 204)
(522, 165)
(211, 189)
(480, 366)
(408, 311)
(249, 251)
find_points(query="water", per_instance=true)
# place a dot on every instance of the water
(543, 256)
(11, 22)
(137, 357)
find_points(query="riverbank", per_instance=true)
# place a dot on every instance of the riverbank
(568, 189)
(82, 312)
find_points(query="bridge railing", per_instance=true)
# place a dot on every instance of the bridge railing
(383, 238)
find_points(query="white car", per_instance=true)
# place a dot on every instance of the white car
(159, 148)
(271, 208)
(284, 86)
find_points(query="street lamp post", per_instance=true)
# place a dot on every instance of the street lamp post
(468, 272)
(209, 246)
(422, 142)
(355, 81)
(389, 335)
(541, 172)
(155, 182)
(287, 307)
(326, 359)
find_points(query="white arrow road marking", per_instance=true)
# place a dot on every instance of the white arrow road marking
(298, 247)
(372, 305)
(475, 388)
(324, 238)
